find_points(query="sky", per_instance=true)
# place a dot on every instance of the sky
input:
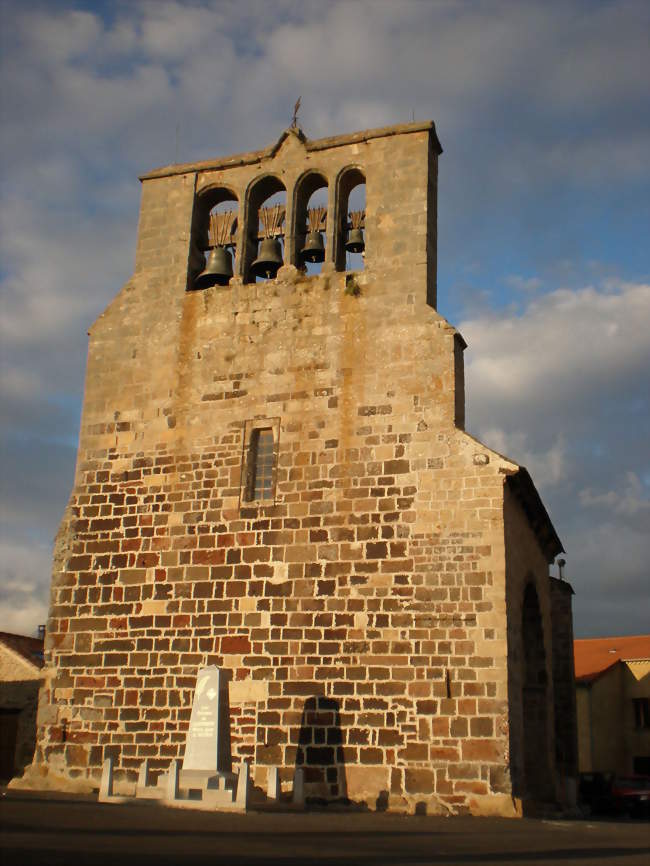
(543, 111)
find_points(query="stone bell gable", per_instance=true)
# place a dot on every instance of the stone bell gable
(273, 477)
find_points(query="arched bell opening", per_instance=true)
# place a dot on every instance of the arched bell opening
(310, 210)
(537, 772)
(264, 239)
(351, 234)
(213, 244)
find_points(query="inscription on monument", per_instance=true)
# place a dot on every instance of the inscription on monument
(208, 738)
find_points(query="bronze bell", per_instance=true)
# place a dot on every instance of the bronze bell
(218, 270)
(314, 248)
(269, 259)
(355, 242)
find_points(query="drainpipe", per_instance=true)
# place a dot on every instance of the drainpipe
(591, 730)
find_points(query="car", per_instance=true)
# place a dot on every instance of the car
(631, 794)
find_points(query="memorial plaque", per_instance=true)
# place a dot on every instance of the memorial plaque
(207, 747)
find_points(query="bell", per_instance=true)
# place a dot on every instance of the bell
(269, 260)
(355, 242)
(314, 248)
(218, 270)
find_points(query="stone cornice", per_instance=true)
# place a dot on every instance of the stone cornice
(317, 144)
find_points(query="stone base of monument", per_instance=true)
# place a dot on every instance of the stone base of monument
(212, 790)
(202, 780)
(106, 794)
(197, 789)
(206, 780)
(145, 790)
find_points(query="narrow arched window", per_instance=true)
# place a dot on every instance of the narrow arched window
(311, 222)
(351, 239)
(213, 244)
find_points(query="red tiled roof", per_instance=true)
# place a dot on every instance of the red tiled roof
(30, 648)
(592, 656)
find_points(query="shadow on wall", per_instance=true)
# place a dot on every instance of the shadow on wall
(18, 705)
(320, 751)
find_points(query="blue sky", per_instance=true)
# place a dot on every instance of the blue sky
(543, 111)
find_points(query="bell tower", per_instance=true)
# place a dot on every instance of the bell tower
(350, 203)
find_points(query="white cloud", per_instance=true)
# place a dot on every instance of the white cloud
(174, 31)
(23, 615)
(547, 467)
(60, 36)
(24, 588)
(614, 559)
(562, 389)
(54, 268)
(524, 284)
(566, 345)
(631, 500)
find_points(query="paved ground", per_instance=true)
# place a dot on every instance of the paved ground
(43, 830)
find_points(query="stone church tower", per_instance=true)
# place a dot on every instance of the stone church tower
(274, 477)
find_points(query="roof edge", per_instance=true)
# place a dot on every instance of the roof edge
(562, 584)
(607, 637)
(28, 649)
(523, 488)
(592, 676)
(317, 144)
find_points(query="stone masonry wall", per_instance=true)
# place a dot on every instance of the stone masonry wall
(363, 613)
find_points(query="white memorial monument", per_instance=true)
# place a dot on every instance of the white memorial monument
(207, 746)
(205, 779)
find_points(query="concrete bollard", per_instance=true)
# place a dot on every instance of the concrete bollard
(143, 774)
(106, 784)
(299, 787)
(242, 786)
(273, 785)
(172, 780)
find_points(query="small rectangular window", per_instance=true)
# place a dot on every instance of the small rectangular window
(259, 460)
(262, 464)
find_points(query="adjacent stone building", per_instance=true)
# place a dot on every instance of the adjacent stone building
(273, 477)
(613, 704)
(21, 660)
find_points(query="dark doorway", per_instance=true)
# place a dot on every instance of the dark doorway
(8, 738)
(320, 751)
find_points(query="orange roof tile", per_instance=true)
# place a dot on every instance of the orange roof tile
(592, 656)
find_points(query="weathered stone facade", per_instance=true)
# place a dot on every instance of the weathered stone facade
(371, 612)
